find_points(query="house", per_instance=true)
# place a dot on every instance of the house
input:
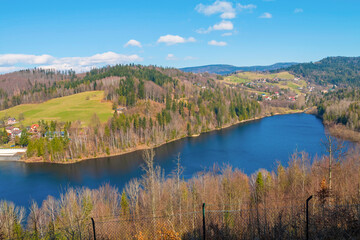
(9, 129)
(16, 133)
(120, 110)
(11, 121)
(34, 128)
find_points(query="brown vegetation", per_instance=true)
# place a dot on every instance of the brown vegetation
(263, 205)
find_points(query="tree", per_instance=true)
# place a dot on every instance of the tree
(259, 187)
(141, 90)
(124, 204)
(335, 149)
(24, 138)
(188, 127)
(21, 117)
(150, 176)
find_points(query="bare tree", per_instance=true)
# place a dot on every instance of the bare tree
(150, 175)
(336, 150)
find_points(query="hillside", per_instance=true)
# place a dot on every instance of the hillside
(80, 106)
(330, 70)
(223, 69)
(17, 82)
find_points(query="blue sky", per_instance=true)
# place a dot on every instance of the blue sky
(178, 33)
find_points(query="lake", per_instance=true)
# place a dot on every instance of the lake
(249, 147)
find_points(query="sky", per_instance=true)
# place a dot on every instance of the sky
(81, 35)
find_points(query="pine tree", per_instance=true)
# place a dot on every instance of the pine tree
(124, 204)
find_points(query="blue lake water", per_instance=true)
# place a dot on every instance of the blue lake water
(249, 147)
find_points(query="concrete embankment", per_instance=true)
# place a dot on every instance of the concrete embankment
(12, 154)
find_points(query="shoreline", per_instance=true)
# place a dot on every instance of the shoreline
(35, 160)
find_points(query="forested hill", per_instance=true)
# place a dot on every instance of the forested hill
(330, 70)
(147, 106)
(223, 69)
(38, 85)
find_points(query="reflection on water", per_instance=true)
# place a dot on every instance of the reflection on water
(248, 146)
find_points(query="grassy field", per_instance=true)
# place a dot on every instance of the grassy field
(243, 77)
(80, 106)
(287, 83)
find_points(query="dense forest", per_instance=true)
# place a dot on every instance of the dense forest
(342, 71)
(161, 105)
(341, 107)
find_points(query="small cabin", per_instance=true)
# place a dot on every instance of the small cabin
(11, 121)
(120, 110)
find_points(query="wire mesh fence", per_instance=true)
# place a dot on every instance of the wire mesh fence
(248, 221)
(334, 221)
(176, 226)
(258, 222)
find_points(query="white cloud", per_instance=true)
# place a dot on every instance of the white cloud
(225, 8)
(228, 15)
(170, 57)
(216, 43)
(190, 58)
(79, 64)
(133, 43)
(9, 69)
(11, 59)
(266, 15)
(249, 7)
(227, 34)
(221, 26)
(298, 10)
(174, 39)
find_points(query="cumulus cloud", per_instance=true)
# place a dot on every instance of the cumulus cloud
(249, 7)
(298, 10)
(11, 59)
(9, 69)
(224, 8)
(12, 62)
(174, 39)
(266, 15)
(170, 56)
(133, 43)
(221, 26)
(216, 43)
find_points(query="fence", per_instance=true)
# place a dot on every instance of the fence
(255, 222)
(309, 220)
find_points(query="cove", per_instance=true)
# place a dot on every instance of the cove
(248, 146)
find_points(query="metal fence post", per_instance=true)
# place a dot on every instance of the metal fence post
(204, 227)
(307, 217)
(93, 224)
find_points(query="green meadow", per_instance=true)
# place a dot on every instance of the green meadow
(243, 77)
(80, 106)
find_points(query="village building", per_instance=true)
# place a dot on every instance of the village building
(120, 110)
(11, 121)
(34, 128)
(16, 133)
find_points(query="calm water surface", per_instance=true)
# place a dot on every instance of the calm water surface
(250, 146)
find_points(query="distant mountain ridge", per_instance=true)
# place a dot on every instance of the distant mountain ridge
(224, 69)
